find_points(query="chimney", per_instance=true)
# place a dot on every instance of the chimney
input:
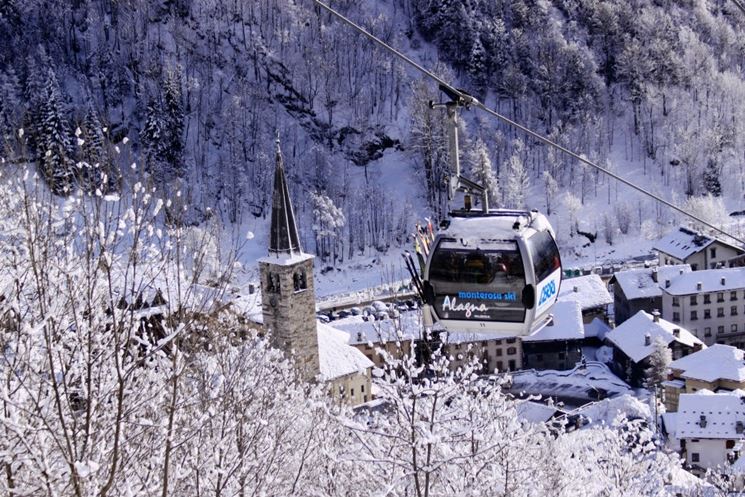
(699, 285)
(676, 332)
(575, 289)
(647, 339)
(702, 421)
(724, 280)
(667, 283)
(654, 275)
(656, 316)
(359, 336)
(739, 428)
(696, 347)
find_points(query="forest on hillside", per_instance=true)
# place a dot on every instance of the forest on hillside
(187, 96)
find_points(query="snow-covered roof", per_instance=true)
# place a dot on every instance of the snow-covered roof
(640, 283)
(285, 259)
(588, 290)
(718, 362)
(710, 280)
(359, 331)
(630, 336)
(710, 415)
(566, 324)
(335, 357)
(682, 243)
(535, 412)
(597, 328)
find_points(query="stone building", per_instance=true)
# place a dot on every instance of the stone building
(288, 308)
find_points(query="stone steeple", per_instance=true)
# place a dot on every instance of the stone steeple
(283, 237)
(288, 298)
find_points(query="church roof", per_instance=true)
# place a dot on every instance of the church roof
(283, 238)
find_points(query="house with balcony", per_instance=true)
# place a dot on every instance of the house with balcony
(719, 368)
(633, 343)
(637, 290)
(709, 303)
(686, 246)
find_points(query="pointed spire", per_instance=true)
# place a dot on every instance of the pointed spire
(284, 238)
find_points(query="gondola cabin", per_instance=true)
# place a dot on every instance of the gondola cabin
(498, 272)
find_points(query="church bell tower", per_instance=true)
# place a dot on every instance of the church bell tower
(287, 294)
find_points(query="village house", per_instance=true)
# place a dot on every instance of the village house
(707, 430)
(685, 246)
(379, 340)
(633, 343)
(557, 345)
(288, 303)
(590, 292)
(637, 290)
(719, 368)
(709, 303)
(496, 354)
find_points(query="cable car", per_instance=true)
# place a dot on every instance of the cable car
(496, 272)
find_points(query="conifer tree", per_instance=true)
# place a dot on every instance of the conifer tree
(54, 140)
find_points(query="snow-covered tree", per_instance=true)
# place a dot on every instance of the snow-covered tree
(484, 172)
(517, 181)
(54, 143)
(328, 220)
(659, 361)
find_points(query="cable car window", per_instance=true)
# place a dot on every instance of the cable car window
(482, 284)
(545, 254)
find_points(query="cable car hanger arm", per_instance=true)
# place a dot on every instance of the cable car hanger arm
(463, 99)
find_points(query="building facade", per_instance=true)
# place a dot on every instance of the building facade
(637, 290)
(709, 303)
(685, 246)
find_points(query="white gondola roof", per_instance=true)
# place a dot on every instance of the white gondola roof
(485, 228)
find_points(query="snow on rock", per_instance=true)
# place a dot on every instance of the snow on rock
(631, 336)
(336, 358)
(588, 290)
(566, 324)
(714, 363)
